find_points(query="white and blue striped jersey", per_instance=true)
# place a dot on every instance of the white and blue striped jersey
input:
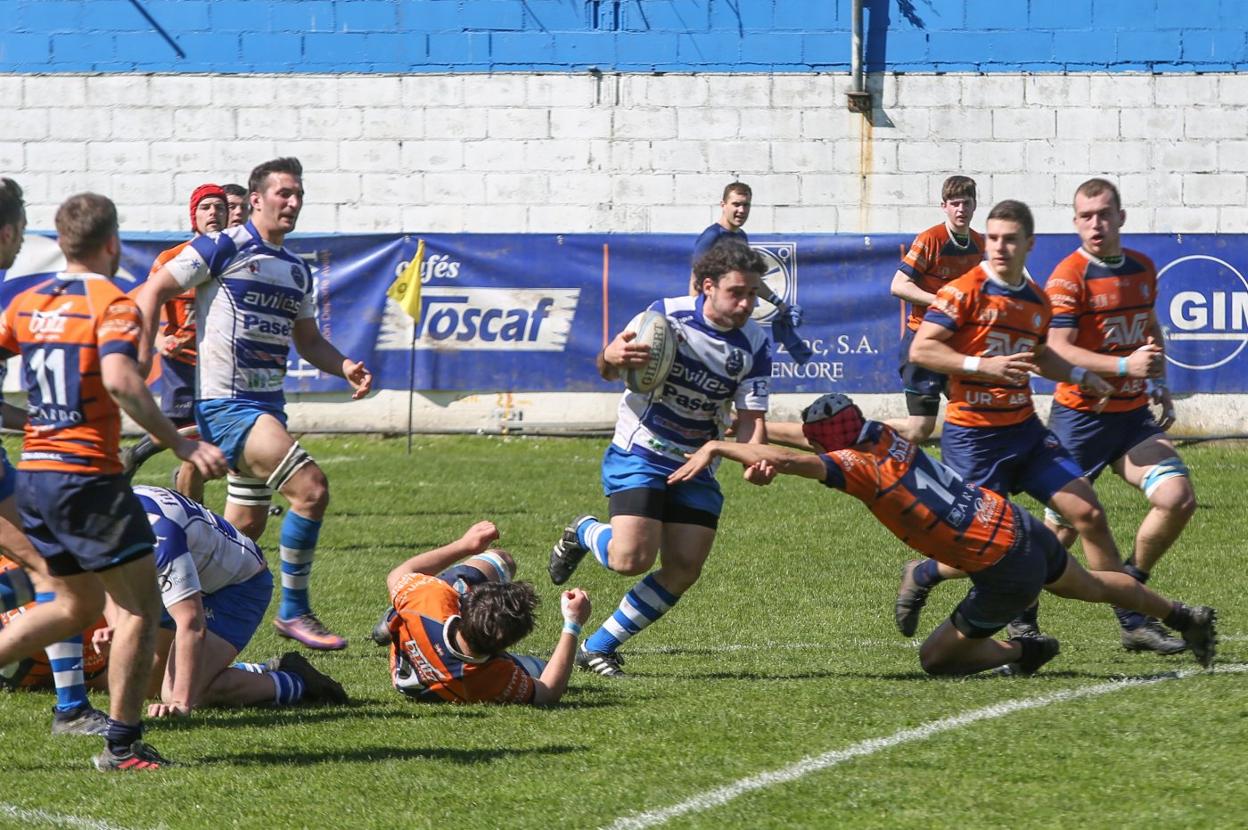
(248, 295)
(714, 371)
(197, 551)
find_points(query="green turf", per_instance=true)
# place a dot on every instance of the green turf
(785, 650)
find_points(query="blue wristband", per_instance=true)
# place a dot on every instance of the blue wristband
(1122, 367)
(572, 628)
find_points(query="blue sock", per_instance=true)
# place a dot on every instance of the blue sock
(1131, 620)
(641, 606)
(287, 688)
(121, 735)
(927, 573)
(16, 589)
(297, 549)
(254, 668)
(595, 536)
(65, 660)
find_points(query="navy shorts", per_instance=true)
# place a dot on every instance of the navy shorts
(1022, 458)
(923, 387)
(1003, 590)
(177, 400)
(82, 523)
(1097, 439)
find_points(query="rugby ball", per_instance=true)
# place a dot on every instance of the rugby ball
(652, 329)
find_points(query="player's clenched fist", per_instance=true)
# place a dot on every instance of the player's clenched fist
(574, 605)
(479, 536)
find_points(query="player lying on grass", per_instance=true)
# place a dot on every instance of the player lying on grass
(215, 587)
(1009, 555)
(451, 626)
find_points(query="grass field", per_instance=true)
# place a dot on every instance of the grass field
(785, 652)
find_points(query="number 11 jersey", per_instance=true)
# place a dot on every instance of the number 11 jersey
(62, 328)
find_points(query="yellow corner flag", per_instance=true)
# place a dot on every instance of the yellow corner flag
(406, 289)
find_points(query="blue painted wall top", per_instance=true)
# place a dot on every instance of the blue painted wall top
(363, 36)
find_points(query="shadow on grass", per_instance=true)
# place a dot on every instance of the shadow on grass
(464, 757)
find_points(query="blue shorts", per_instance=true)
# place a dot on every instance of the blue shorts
(923, 387)
(8, 476)
(178, 396)
(1022, 458)
(81, 522)
(622, 471)
(227, 421)
(1097, 439)
(235, 612)
(1000, 592)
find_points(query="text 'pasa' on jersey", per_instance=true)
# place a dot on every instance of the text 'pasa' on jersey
(714, 370)
(1110, 307)
(987, 318)
(248, 295)
(936, 257)
(62, 328)
(197, 551)
(922, 502)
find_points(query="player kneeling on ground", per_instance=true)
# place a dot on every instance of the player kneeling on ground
(449, 633)
(1009, 555)
(216, 586)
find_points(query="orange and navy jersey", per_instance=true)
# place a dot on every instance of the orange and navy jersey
(988, 317)
(35, 671)
(935, 258)
(924, 503)
(62, 328)
(1110, 307)
(179, 316)
(424, 661)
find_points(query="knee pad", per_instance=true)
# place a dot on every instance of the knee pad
(246, 491)
(295, 459)
(1172, 467)
(1053, 517)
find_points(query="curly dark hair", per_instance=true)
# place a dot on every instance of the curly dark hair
(728, 255)
(496, 615)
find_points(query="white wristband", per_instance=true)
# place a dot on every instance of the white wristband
(1077, 374)
(970, 364)
(573, 628)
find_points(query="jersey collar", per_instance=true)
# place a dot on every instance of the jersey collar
(992, 276)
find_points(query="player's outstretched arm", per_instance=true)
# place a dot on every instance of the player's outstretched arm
(183, 683)
(786, 462)
(475, 540)
(314, 348)
(120, 375)
(554, 680)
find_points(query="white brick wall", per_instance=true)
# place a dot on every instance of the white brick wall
(573, 153)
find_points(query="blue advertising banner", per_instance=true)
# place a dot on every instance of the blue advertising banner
(528, 312)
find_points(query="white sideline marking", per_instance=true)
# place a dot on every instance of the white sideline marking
(35, 816)
(804, 767)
